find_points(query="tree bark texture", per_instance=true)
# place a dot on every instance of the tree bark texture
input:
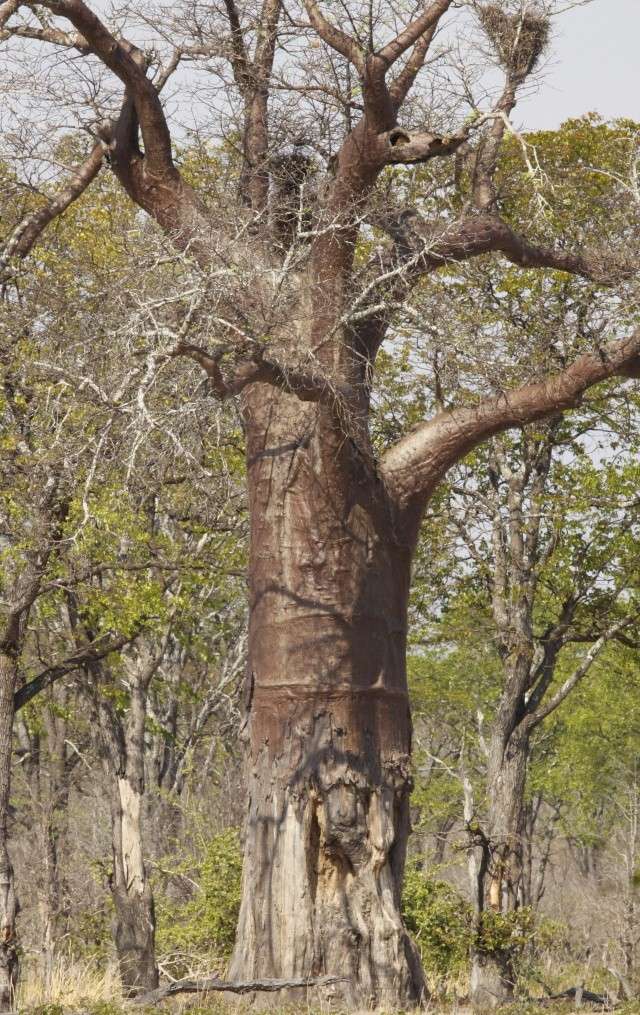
(134, 924)
(328, 727)
(8, 901)
(500, 872)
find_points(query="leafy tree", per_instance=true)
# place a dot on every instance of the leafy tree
(124, 554)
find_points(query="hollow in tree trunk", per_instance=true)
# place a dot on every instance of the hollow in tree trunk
(329, 727)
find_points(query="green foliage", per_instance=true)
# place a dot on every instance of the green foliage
(441, 922)
(443, 925)
(205, 924)
(591, 760)
(506, 933)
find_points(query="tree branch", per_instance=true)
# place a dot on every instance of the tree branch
(240, 59)
(335, 37)
(537, 717)
(28, 231)
(415, 465)
(54, 36)
(307, 386)
(403, 82)
(427, 20)
(421, 247)
(7, 9)
(254, 183)
(124, 61)
(46, 678)
(210, 984)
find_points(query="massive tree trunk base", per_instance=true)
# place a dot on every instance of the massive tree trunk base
(491, 982)
(324, 855)
(134, 934)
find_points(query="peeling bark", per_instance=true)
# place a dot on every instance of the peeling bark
(134, 925)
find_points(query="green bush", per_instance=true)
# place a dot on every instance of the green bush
(443, 925)
(441, 922)
(202, 928)
(507, 934)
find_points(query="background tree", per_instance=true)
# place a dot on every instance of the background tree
(130, 550)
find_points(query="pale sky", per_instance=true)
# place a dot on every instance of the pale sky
(594, 66)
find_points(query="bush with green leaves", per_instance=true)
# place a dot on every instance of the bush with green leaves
(201, 929)
(441, 921)
(507, 933)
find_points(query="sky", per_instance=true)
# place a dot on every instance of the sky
(594, 66)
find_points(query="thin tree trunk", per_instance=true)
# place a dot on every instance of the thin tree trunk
(51, 785)
(329, 726)
(492, 971)
(8, 901)
(134, 924)
(122, 745)
(51, 899)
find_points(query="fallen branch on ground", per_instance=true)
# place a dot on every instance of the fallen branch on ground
(215, 984)
(581, 996)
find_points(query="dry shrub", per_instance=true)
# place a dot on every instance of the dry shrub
(518, 39)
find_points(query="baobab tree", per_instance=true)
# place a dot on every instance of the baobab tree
(296, 298)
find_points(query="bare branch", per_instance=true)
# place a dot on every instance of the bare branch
(211, 984)
(422, 247)
(124, 61)
(335, 37)
(415, 465)
(54, 36)
(29, 230)
(402, 84)
(308, 387)
(91, 654)
(240, 59)
(580, 671)
(427, 20)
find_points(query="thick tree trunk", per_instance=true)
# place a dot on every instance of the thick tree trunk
(500, 873)
(329, 727)
(8, 902)
(134, 924)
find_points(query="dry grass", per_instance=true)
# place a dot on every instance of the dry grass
(70, 984)
(88, 987)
